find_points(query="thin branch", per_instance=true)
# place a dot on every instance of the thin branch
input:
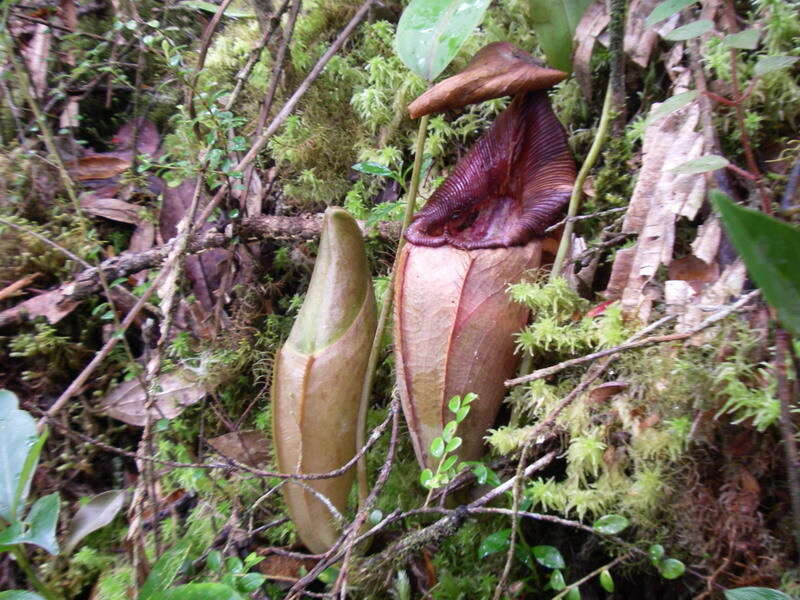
(783, 341)
(591, 575)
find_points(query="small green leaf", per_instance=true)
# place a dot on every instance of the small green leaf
(18, 442)
(607, 581)
(462, 414)
(329, 575)
(42, 520)
(163, 573)
(449, 462)
(610, 524)
(425, 478)
(770, 249)
(656, 553)
(751, 593)
(744, 40)
(665, 10)
(768, 64)
(454, 404)
(557, 581)
(198, 591)
(449, 431)
(496, 542)
(548, 556)
(702, 164)
(453, 444)
(573, 594)
(555, 24)
(671, 105)
(437, 447)
(481, 473)
(469, 398)
(372, 168)
(430, 33)
(690, 30)
(671, 568)
(214, 561)
(251, 582)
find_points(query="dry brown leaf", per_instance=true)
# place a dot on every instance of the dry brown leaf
(97, 166)
(15, 288)
(693, 269)
(36, 53)
(250, 447)
(178, 389)
(51, 305)
(147, 137)
(594, 21)
(284, 568)
(729, 285)
(603, 392)
(639, 38)
(660, 197)
(111, 208)
(498, 69)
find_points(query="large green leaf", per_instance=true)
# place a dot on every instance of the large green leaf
(19, 595)
(39, 527)
(430, 33)
(770, 249)
(17, 439)
(198, 591)
(554, 22)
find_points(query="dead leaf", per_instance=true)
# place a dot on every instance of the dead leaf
(36, 53)
(639, 38)
(111, 208)
(97, 166)
(498, 69)
(250, 447)
(98, 512)
(52, 305)
(284, 568)
(693, 269)
(178, 389)
(147, 137)
(603, 392)
(594, 21)
(729, 285)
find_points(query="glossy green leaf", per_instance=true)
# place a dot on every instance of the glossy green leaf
(98, 512)
(42, 520)
(690, 30)
(702, 164)
(449, 431)
(251, 582)
(573, 594)
(768, 64)
(425, 477)
(665, 10)
(212, 8)
(198, 591)
(163, 573)
(214, 561)
(671, 568)
(770, 249)
(496, 542)
(462, 413)
(557, 581)
(437, 447)
(606, 581)
(372, 168)
(17, 439)
(548, 556)
(453, 444)
(656, 552)
(755, 593)
(610, 524)
(431, 32)
(670, 105)
(449, 462)
(743, 40)
(455, 404)
(554, 22)
(19, 595)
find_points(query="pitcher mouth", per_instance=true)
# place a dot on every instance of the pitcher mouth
(512, 185)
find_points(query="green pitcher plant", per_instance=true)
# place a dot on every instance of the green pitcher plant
(317, 380)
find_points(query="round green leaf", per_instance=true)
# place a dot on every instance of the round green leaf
(557, 581)
(610, 524)
(425, 477)
(214, 561)
(656, 552)
(372, 168)
(671, 568)
(449, 462)
(606, 581)
(665, 10)
(449, 431)
(454, 404)
(573, 594)
(430, 33)
(548, 556)
(670, 105)
(453, 444)
(251, 582)
(753, 593)
(496, 542)
(690, 30)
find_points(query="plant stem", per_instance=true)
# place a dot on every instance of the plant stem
(386, 305)
(577, 189)
(25, 566)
